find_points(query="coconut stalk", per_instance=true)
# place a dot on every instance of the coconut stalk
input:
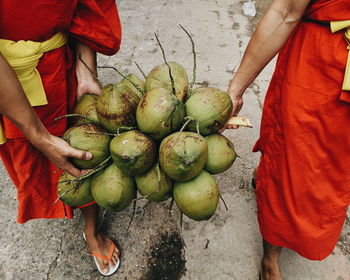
(94, 74)
(223, 200)
(132, 216)
(140, 69)
(194, 60)
(82, 177)
(171, 206)
(167, 64)
(76, 116)
(124, 76)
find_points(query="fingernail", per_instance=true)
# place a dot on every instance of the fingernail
(88, 156)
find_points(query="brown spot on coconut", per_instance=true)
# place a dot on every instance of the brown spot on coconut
(159, 78)
(197, 198)
(221, 154)
(86, 106)
(116, 107)
(136, 80)
(210, 107)
(112, 189)
(154, 184)
(74, 193)
(159, 113)
(133, 152)
(182, 155)
(88, 137)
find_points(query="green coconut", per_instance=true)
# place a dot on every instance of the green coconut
(86, 106)
(159, 78)
(182, 155)
(133, 152)
(197, 198)
(136, 80)
(210, 107)
(159, 113)
(112, 189)
(116, 107)
(88, 137)
(74, 194)
(154, 184)
(221, 154)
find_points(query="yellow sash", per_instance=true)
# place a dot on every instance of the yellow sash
(24, 56)
(337, 26)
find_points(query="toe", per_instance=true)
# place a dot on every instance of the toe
(105, 268)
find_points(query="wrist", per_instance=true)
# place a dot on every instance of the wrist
(38, 136)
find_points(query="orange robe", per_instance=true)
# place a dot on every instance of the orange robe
(303, 181)
(93, 22)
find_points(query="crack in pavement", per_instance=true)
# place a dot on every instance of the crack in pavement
(53, 265)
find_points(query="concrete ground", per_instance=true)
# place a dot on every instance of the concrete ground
(155, 247)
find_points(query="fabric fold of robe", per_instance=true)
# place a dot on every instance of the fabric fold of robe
(95, 23)
(303, 180)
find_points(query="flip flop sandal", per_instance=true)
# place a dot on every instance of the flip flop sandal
(112, 269)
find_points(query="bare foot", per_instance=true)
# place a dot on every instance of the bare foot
(100, 244)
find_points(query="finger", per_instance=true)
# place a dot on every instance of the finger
(232, 126)
(85, 171)
(78, 154)
(71, 169)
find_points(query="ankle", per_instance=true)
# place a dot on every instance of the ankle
(91, 233)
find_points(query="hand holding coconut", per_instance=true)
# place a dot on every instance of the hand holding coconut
(16, 107)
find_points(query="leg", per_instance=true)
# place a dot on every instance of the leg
(269, 265)
(95, 240)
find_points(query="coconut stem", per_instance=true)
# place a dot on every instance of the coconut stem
(166, 62)
(140, 69)
(77, 116)
(74, 188)
(144, 211)
(124, 76)
(133, 215)
(171, 206)
(181, 221)
(99, 167)
(94, 74)
(223, 202)
(188, 120)
(197, 127)
(194, 61)
(159, 177)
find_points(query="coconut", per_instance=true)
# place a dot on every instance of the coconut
(197, 198)
(136, 80)
(86, 106)
(221, 154)
(74, 193)
(112, 189)
(133, 152)
(159, 113)
(154, 184)
(210, 107)
(116, 107)
(182, 155)
(159, 78)
(88, 137)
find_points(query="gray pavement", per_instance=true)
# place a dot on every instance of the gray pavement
(226, 247)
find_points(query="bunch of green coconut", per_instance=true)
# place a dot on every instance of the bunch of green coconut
(156, 136)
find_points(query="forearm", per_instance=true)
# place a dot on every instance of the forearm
(86, 70)
(85, 73)
(16, 107)
(269, 37)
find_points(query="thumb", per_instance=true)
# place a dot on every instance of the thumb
(78, 154)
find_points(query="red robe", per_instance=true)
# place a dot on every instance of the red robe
(303, 181)
(95, 23)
